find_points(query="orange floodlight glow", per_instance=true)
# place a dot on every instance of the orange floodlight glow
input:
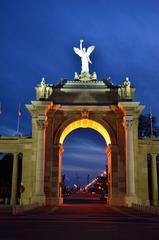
(85, 123)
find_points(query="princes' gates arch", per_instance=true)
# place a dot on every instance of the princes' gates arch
(84, 102)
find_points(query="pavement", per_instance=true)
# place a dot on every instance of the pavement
(78, 221)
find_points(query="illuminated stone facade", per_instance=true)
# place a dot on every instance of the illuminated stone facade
(113, 112)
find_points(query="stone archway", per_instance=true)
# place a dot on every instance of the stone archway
(94, 103)
(115, 152)
(74, 103)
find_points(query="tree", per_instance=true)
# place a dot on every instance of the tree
(147, 126)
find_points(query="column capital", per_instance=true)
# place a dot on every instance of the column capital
(108, 149)
(154, 155)
(58, 147)
(131, 108)
(129, 121)
(111, 148)
(129, 117)
(15, 155)
(41, 124)
(61, 149)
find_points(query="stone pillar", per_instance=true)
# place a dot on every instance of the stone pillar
(115, 196)
(40, 163)
(57, 174)
(14, 180)
(131, 196)
(108, 151)
(154, 180)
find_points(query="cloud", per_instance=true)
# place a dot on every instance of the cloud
(5, 131)
(86, 145)
(74, 168)
(92, 143)
(85, 157)
(87, 151)
(79, 175)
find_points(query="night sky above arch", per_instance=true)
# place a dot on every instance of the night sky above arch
(37, 37)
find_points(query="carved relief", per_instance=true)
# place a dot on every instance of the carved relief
(41, 124)
(85, 114)
(129, 123)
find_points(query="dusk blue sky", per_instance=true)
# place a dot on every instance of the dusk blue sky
(36, 40)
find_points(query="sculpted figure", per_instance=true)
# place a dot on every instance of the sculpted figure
(43, 88)
(84, 54)
(127, 89)
(48, 91)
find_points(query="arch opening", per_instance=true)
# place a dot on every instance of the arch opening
(84, 156)
(99, 129)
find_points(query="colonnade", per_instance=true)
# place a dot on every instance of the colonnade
(14, 183)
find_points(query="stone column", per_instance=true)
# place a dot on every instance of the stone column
(115, 196)
(108, 151)
(39, 185)
(131, 197)
(14, 180)
(61, 150)
(154, 180)
(57, 174)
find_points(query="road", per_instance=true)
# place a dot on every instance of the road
(80, 221)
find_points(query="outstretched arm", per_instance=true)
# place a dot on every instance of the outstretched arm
(81, 41)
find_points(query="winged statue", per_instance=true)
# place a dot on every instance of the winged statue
(84, 55)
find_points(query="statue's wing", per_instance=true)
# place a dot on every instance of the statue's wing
(77, 51)
(90, 50)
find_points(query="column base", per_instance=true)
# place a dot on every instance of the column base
(40, 200)
(129, 200)
(145, 202)
(57, 201)
(116, 201)
(49, 201)
(13, 202)
(155, 202)
(26, 201)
